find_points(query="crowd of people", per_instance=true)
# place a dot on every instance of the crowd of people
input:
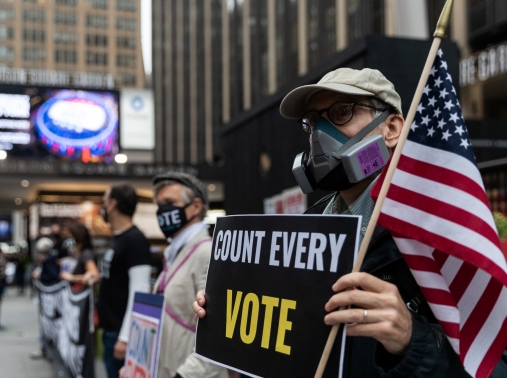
(394, 339)
(125, 268)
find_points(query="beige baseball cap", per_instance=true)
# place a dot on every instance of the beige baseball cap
(365, 82)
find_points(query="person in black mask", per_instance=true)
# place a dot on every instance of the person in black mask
(182, 204)
(124, 269)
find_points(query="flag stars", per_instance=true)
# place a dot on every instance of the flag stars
(459, 130)
(454, 117)
(438, 122)
(464, 143)
(448, 105)
(425, 120)
(440, 53)
(445, 135)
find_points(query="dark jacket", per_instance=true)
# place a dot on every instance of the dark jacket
(429, 354)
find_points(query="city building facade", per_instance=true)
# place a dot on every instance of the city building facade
(221, 68)
(79, 63)
(94, 36)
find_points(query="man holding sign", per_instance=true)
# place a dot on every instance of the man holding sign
(353, 118)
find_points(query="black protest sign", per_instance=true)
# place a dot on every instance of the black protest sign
(67, 323)
(51, 299)
(268, 280)
(75, 342)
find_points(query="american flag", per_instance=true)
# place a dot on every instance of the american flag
(437, 211)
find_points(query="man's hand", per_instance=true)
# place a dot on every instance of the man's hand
(387, 318)
(121, 373)
(198, 304)
(120, 348)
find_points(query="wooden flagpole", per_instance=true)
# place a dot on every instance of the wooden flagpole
(443, 21)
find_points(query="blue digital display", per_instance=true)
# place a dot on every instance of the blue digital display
(78, 123)
(64, 123)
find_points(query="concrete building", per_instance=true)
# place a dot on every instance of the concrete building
(96, 36)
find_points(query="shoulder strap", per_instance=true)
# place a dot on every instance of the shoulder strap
(163, 283)
(168, 311)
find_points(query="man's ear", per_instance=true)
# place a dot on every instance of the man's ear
(196, 206)
(392, 129)
(113, 202)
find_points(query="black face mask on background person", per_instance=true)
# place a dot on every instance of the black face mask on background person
(172, 218)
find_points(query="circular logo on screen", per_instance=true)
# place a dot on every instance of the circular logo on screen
(77, 119)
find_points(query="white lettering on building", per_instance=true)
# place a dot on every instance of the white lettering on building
(483, 66)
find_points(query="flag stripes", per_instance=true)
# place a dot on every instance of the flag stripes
(453, 208)
(443, 176)
(463, 242)
(439, 216)
(483, 292)
(440, 158)
(498, 346)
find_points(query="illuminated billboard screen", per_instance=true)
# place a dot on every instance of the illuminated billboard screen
(64, 123)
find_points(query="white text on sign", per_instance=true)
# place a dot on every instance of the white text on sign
(303, 250)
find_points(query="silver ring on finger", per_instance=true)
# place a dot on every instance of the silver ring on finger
(365, 316)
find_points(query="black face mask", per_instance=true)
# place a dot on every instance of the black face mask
(336, 180)
(171, 218)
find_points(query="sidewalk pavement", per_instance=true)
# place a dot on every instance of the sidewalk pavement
(20, 337)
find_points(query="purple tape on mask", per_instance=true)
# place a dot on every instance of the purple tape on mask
(370, 159)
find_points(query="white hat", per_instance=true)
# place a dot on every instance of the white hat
(365, 82)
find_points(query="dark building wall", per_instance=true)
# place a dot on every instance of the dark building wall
(264, 130)
(487, 22)
(488, 138)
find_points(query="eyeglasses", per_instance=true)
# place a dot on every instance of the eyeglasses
(339, 114)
